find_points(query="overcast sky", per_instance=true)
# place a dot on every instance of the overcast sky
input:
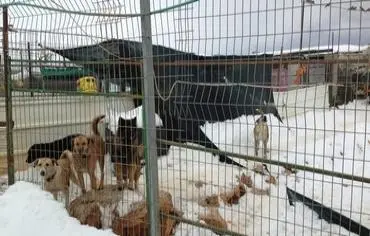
(205, 27)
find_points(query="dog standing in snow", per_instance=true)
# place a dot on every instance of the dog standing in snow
(87, 151)
(261, 134)
(57, 173)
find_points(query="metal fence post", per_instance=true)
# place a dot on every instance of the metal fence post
(8, 99)
(149, 120)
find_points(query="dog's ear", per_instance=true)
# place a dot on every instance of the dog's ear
(90, 140)
(72, 144)
(127, 123)
(54, 162)
(34, 164)
(258, 120)
(133, 122)
(264, 118)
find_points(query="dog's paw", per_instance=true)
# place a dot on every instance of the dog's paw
(120, 187)
(100, 186)
(131, 186)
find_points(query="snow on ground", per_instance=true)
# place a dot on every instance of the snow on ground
(333, 140)
(27, 210)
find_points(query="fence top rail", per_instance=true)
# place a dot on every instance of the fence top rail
(228, 62)
(91, 13)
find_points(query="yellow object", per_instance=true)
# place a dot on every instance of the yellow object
(87, 84)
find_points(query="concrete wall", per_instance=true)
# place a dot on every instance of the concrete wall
(44, 118)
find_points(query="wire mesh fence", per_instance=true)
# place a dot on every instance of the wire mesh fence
(220, 117)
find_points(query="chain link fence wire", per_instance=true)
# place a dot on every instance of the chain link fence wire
(291, 75)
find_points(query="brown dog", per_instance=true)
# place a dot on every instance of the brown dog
(57, 174)
(261, 134)
(87, 150)
(130, 171)
(127, 153)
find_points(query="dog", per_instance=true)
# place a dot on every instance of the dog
(261, 134)
(130, 172)
(52, 150)
(116, 144)
(57, 173)
(87, 150)
(127, 152)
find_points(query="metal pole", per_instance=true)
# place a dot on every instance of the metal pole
(302, 20)
(8, 100)
(149, 120)
(22, 74)
(30, 68)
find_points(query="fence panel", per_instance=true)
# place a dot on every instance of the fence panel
(221, 117)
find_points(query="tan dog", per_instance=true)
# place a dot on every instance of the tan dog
(87, 150)
(261, 134)
(57, 174)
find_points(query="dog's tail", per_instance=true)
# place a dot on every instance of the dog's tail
(94, 124)
(69, 155)
(66, 154)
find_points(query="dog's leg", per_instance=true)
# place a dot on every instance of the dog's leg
(256, 145)
(118, 168)
(101, 164)
(93, 182)
(125, 174)
(91, 167)
(137, 174)
(82, 182)
(131, 176)
(66, 196)
(74, 175)
(55, 195)
(265, 148)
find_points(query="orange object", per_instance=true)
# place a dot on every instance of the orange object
(299, 74)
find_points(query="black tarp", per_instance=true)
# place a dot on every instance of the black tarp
(201, 92)
(188, 100)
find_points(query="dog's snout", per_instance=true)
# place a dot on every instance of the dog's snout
(81, 150)
(42, 173)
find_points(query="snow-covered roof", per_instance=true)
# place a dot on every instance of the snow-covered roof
(336, 49)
